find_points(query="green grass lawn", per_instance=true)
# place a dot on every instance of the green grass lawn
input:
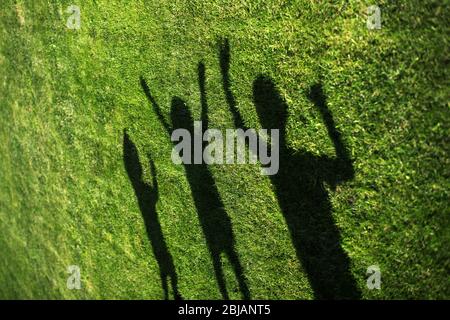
(66, 97)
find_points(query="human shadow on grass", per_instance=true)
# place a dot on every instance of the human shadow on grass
(214, 220)
(299, 186)
(147, 197)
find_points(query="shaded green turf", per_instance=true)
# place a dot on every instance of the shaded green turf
(66, 96)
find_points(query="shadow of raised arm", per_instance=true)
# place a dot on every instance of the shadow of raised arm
(342, 161)
(155, 105)
(224, 60)
(203, 100)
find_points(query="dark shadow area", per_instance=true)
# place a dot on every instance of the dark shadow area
(300, 189)
(214, 220)
(147, 197)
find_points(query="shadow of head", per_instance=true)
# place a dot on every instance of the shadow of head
(181, 115)
(131, 158)
(270, 107)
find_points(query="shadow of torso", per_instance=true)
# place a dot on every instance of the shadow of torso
(305, 203)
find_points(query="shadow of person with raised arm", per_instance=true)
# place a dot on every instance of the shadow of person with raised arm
(147, 197)
(215, 222)
(300, 189)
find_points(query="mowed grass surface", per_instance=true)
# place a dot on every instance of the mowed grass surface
(66, 96)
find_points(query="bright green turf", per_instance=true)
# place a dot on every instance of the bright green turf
(66, 96)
